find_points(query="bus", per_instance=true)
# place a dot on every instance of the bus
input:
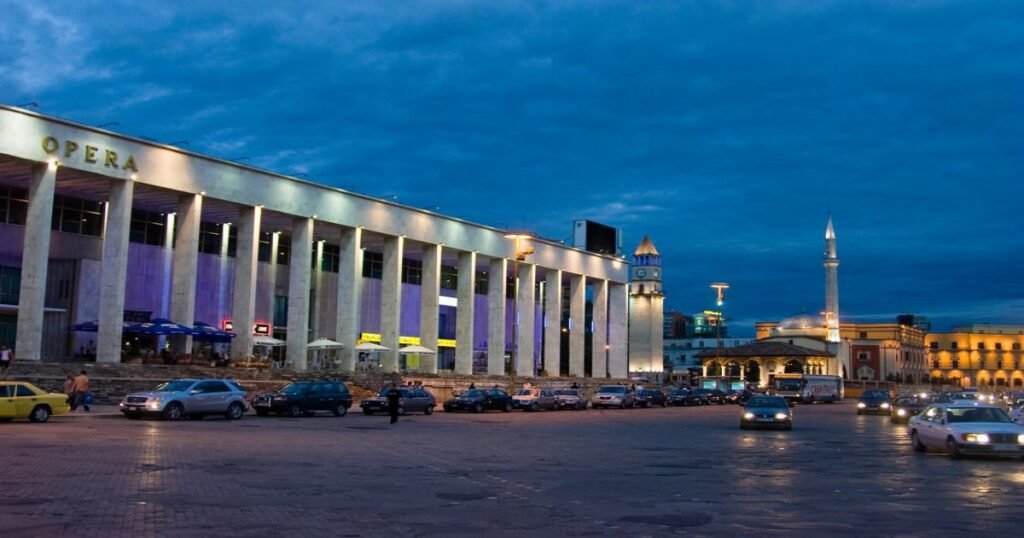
(808, 388)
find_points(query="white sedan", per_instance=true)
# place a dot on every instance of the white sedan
(1017, 414)
(965, 427)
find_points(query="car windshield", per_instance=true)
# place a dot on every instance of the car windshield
(976, 414)
(966, 396)
(787, 384)
(702, 391)
(613, 389)
(907, 401)
(524, 392)
(175, 386)
(678, 392)
(473, 394)
(295, 388)
(566, 392)
(766, 401)
(875, 394)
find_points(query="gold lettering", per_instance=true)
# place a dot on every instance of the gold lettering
(111, 159)
(90, 153)
(130, 164)
(50, 144)
(69, 147)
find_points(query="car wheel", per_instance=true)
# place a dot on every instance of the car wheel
(235, 411)
(478, 408)
(952, 448)
(262, 412)
(915, 442)
(622, 405)
(507, 408)
(788, 426)
(429, 410)
(401, 411)
(535, 407)
(648, 404)
(340, 410)
(173, 411)
(581, 406)
(664, 404)
(41, 413)
(295, 411)
(195, 416)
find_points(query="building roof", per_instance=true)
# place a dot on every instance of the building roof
(646, 248)
(763, 348)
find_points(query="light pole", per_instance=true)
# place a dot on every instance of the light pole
(521, 254)
(720, 287)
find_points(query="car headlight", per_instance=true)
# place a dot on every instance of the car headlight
(885, 405)
(901, 412)
(1020, 439)
(781, 416)
(861, 405)
(981, 438)
(748, 416)
(154, 405)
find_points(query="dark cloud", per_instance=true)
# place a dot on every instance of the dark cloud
(725, 130)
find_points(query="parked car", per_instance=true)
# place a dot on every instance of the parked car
(480, 400)
(651, 398)
(534, 400)
(876, 402)
(25, 400)
(766, 411)
(905, 407)
(571, 399)
(305, 398)
(966, 427)
(412, 400)
(711, 396)
(613, 396)
(1017, 413)
(193, 398)
(683, 396)
(738, 396)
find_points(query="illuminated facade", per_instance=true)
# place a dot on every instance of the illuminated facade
(646, 311)
(831, 284)
(96, 225)
(978, 355)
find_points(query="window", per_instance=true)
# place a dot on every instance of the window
(863, 334)
(280, 310)
(863, 355)
(74, 215)
(449, 278)
(10, 285)
(981, 345)
(373, 264)
(25, 392)
(147, 228)
(955, 363)
(952, 345)
(331, 260)
(412, 272)
(284, 248)
(13, 205)
(210, 238)
(999, 345)
(1015, 346)
(934, 345)
(935, 363)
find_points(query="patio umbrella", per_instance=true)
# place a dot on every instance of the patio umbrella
(416, 350)
(269, 341)
(370, 346)
(208, 333)
(94, 326)
(324, 343)
(162, 326)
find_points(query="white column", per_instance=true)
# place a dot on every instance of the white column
(243, 306)
(35, 257)
(186, 261)
(271, 290)
(496, 278)
(577, 324)
(600, 350)
(318, 282)
(391, 302)
(617, 331)
(553, 322)
(298, 292)
(350, 274)
(430, 291)
(465, 313)
(114, 271)
(168, 266)
(222, 274)
(526, 300)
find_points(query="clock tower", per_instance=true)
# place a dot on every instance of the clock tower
(646, 311)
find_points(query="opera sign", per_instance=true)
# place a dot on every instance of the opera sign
(90, 154)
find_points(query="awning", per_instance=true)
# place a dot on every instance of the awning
(324, 343)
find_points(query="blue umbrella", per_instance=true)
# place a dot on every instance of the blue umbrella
(208, 333)
(162, 326)
(94, 326)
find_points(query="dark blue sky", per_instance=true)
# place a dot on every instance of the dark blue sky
(725, 130)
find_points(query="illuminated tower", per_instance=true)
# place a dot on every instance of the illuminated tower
(646, 310)
(831, 283)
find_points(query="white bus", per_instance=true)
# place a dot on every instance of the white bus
(808, 388)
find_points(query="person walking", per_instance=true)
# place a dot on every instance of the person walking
(69, 387)
(79, 389)
(6, 356)
(394, 395)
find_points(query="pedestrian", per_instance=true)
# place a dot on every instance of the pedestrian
(394, 395)
(6, 356)
(472, 385)
(79, 390)
(575, 385)
(69, 386)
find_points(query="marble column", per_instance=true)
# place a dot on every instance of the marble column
(223, 268)
(553, 322)
(271, 289)
(577, 324)
(114, 271)
(298, 292)
(350, 275)
(35, 257)
(464, 313)
(496, 303)
(600, 349)
(618, 363)
(167, 253)
(318, 282)
(391, 302)
(526, 302)
(243, 306)
(186, 262)
(430, 292)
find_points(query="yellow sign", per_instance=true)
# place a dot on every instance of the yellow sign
(90, 154)
(404, 340)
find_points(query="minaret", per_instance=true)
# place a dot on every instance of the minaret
(646, 311)
(831, 283)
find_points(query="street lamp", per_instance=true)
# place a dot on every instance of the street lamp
(521, 253)
(720, 287)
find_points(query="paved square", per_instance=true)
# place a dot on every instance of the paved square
(656, 472)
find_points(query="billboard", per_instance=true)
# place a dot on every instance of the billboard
(596, 237)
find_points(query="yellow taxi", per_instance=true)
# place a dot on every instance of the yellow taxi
(25, 400)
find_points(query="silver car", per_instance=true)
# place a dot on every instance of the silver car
(964, 427)
(193, 398)
(534, 400)
(613, 396)
(571, 399)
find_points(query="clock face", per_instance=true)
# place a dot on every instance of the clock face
(654, 273)
(641, 273)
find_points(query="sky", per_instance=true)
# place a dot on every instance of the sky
(727, 130)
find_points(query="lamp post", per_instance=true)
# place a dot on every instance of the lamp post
(720, 287)
(521, 254)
